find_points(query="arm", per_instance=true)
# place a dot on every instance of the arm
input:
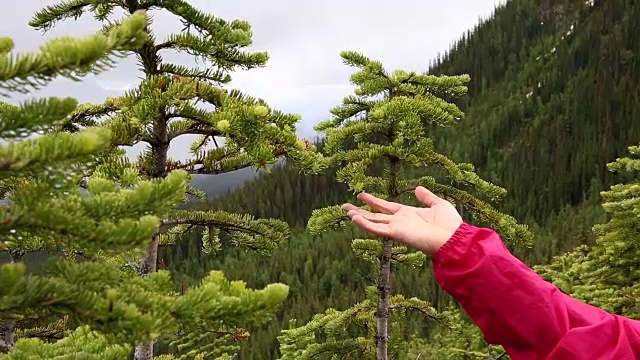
(516, 308)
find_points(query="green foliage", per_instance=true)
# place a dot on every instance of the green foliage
(82, 342)
(65, 56)
(49, 202)
(39, 175)
(263, 235)
(121, 308)
(606, 274)
(548, 145)
(460, 341)
(234, 131)
(386, 119)
(168, 103)
(333, 324)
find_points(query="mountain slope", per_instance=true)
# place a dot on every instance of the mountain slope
(551, 102)
(547, 144)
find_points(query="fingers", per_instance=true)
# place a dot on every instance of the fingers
(373, 223)
(426, 197)
(382, 206)
(374, 217)
(377, 229)
(348, 207)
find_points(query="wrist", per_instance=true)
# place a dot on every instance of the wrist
(447, 234)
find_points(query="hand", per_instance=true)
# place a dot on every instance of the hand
(425, 229)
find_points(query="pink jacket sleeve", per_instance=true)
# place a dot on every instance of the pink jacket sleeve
(516, 308)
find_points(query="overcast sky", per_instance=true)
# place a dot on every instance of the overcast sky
(305, 74)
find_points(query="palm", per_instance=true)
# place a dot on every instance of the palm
(437, 214)
(424, 228)
(411, 216)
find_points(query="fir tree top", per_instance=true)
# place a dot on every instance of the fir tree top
(388, 119)
(379, 139)
(607, 274)
(175, 100)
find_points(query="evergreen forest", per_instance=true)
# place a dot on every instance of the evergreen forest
(526, 123)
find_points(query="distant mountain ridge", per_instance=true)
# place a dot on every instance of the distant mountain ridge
(216, 185)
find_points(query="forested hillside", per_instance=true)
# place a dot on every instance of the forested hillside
(554, 96)
(553, 99)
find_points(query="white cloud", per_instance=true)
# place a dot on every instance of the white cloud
(114, 85)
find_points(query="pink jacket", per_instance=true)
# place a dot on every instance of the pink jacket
(516, 308)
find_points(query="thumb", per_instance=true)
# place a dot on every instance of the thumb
(426, 197)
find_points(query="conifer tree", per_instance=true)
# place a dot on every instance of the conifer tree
(63, 195)
(166, 105)
(606, 275)
(45, 208)
(387, 118)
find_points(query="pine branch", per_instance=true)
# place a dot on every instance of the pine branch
(68, 57)
(195, 129)
(213, 223)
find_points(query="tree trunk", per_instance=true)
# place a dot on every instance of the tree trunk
(435, 295)
(144, 351)
(6, 343)
(382, 315)
(149, 62)
(149, 265)
(159, 151)
(384, 283)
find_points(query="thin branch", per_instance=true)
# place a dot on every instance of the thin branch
(207, 222)
(47, 334)
(204, 140)
(165, 45)
(192, 76)
(414, 308)
(400, 192)
(190, 167)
